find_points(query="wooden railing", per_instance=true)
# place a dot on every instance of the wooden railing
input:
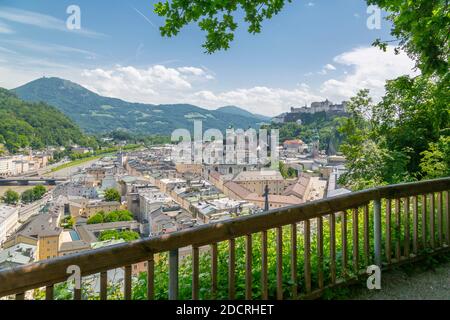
(382, 226)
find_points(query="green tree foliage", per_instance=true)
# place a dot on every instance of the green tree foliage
(116, 235)
(287, 172)
(96, 218)
(11, 197)
(113, 216)
(34, 194)
(400, 138)
(321, 125)
(216, 18)
(35, 125)
(112, 195)
(421, 27)
(436, 160)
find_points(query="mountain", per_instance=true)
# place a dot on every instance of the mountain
(25, 124)
(241, 112)
(98, 114)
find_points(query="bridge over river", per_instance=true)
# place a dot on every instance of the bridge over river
(25, 181)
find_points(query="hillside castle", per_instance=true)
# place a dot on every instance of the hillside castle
(324, 106)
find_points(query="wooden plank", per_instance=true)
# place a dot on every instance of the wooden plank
(294, 260)
(279, 253)
(214, 271)
(195, 273)
(231, 269)
(43, 273)
(127, 285)
(407, 226)
(366, 236)
(264, 276)
(173, 274)
(440, 219)
(49, 292)
(151, 278)
(76, 294)
(398, 228)
(332, 222)
(447, 214)
(432, 222)
(248, 267)
(415, 225)
(320, 252)
(388, 231)
(344, 242)
(307, 258)
(104, 285)
(20, 296)
(424, 221)
(355, 240)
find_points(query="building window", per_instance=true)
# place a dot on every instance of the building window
(230, 171)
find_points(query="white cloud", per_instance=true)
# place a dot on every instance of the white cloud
(41, 21)
(310, 4)
(371, 67)
(262, 100)
(364, 67)
(160, 84)
(156, 84)
(5, 29)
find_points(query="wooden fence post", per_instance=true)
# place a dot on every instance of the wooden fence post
(377, 230)
(173, 275)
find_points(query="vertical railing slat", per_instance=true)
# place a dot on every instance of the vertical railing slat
(407, 244)
(432, 222)
(294, 260)
(173, 274)
(332, 222)
(439, 218)
(355, 240)
(447, 214)
(127, 285)
(398, 251)
(320, 252)
(415, 224)
(231, 269)
(279, 253)
(20, 296)
(307, 258)
(344, 242)
(264, 275)
(388, 231)
(366, 236)
(424, 221)
(104, 285)
(214, 271)
(377, 231)
(248, 267)
(77, 294)
(151, 278)
(49, 292)
(195, 273)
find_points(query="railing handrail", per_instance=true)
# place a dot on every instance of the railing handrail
(49, 272)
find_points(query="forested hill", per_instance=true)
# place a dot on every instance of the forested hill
(97, 114)
(24, 124)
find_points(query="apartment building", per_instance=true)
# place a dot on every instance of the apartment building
(9, 217)
(256, 181)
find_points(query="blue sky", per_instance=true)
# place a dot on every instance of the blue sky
(313, 50)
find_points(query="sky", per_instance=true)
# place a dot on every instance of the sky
(312, 51)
